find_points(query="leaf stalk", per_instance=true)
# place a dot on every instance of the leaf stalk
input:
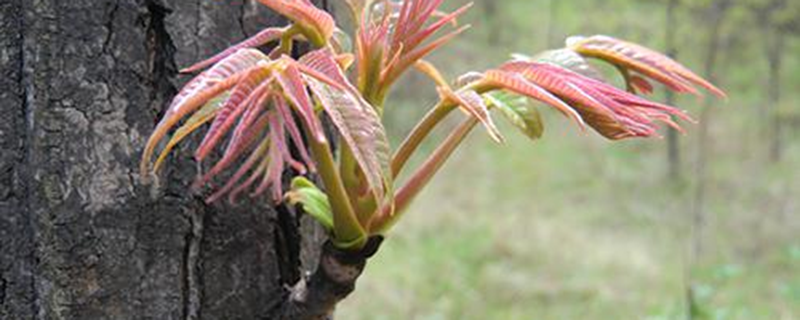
(349, 233)
(423, 175)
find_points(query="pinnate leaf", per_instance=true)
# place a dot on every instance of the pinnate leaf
(515, 82)
(472, 103)
(293, 87)
(241, 98)
(642, 60)
(203, 88)
(316, 24)
(357, 121)
(199, 118)
(261, 38)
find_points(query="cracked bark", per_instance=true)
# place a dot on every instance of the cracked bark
(83, 83)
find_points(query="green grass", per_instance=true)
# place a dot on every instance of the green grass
(572, 227)
(575, 227)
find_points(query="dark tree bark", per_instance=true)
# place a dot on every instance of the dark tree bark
(83, 83)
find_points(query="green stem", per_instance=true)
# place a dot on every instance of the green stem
(355, 185)
(423, 175)
(418, 134)
(626, 76)
(354, 179)
(348, 232)
(426, 126)
(287, 40)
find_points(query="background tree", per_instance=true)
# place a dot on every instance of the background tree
(81, 238)
(714, 15)
(494, 30)
(552, 23)
(776, 19)
(671, 49)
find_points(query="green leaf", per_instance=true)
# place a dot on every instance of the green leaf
(519, 112)
(313, 201)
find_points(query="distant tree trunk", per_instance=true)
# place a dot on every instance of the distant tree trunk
(552, 23)
(715, 18)
(775, 48)
(673, 143)
(490, 8)
(83, 83)
(494, 30)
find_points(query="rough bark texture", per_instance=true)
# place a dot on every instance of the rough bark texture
(82, 84)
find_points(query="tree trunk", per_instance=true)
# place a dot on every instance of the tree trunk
(552, 24)
(716, 15)
(673, 142)
(83, 83)
(495, 28)
(775, 49)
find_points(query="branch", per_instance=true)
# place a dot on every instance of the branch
(335, 278)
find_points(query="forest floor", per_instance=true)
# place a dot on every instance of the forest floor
(572, 227)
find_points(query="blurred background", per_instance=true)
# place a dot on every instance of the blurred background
(572, 226)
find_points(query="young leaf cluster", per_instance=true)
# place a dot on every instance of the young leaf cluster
(263, 110)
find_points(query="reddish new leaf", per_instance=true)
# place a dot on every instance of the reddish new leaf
(642, 60)
(357, 121)
(274, 170)
(241, 97)
(292, 82)
(520, 85)
(294, 131)
(234, 151)
(614, 113)
(316, 24)
(263, 37)
(198, 119)
(567, 59)
(386, 48)
(473, 104)
(234, 182)
(206, 86)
